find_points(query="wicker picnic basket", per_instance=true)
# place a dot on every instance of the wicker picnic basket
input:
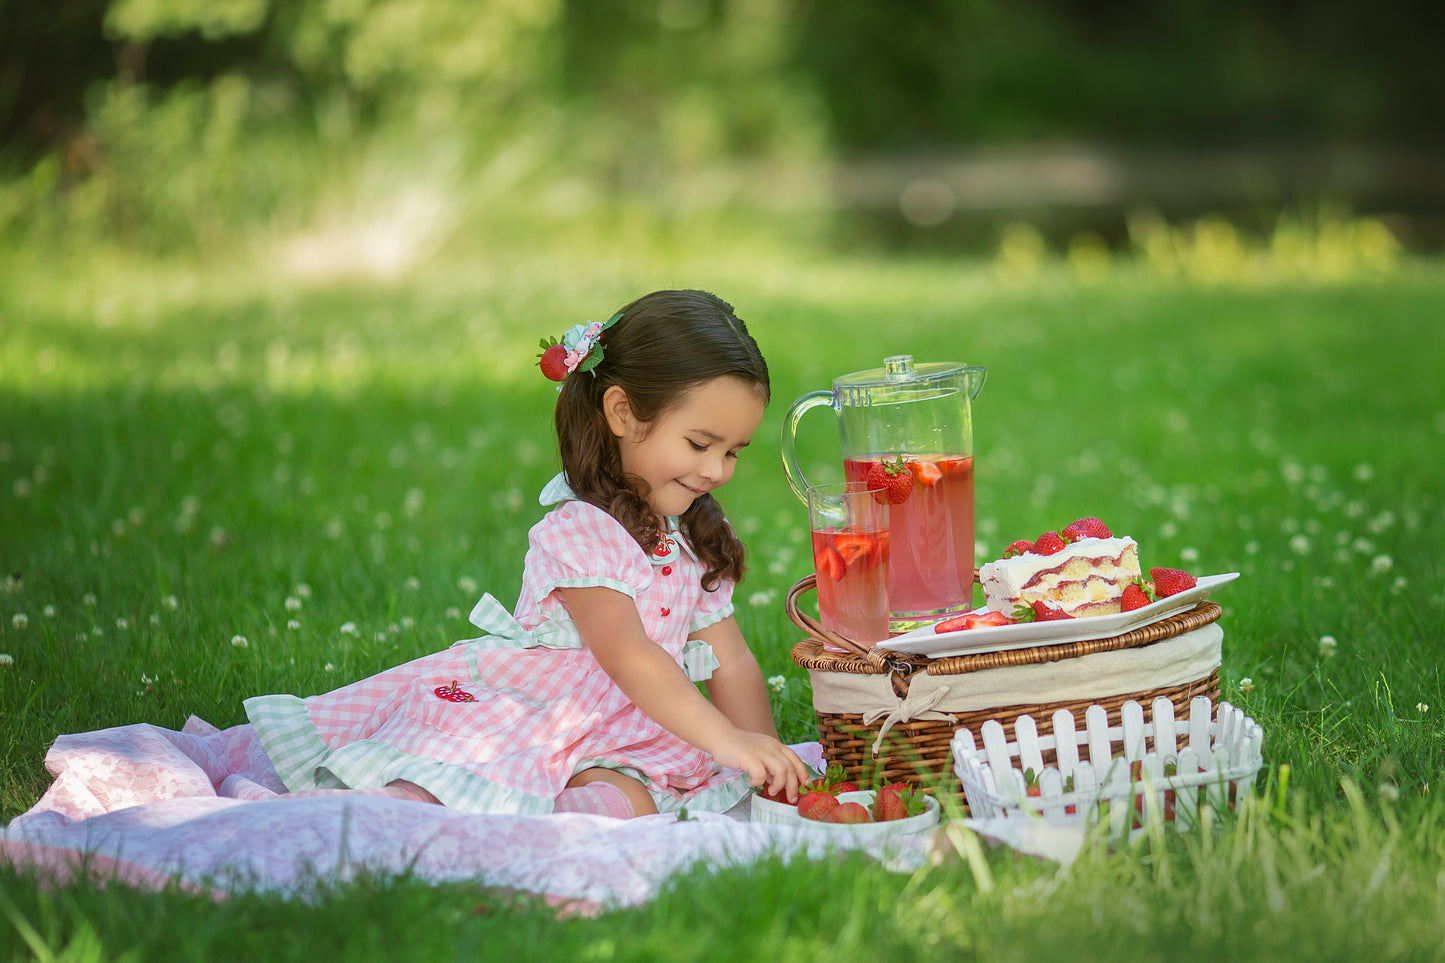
(885, 715)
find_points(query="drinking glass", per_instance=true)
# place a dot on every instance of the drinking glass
(849, 522)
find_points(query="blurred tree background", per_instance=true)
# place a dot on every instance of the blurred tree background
(392, 127)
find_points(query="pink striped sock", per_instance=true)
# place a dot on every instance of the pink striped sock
(599, 798)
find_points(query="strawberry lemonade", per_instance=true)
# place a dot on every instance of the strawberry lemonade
(931, 532)
(852, 571)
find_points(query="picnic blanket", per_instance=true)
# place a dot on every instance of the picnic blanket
(203, 808)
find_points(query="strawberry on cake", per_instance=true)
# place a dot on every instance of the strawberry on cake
(1080, 571)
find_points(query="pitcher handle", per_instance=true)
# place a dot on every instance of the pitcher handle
(791, 468)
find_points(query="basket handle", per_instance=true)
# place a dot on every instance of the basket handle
(812, 626)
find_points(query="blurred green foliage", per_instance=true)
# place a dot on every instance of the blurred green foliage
(185, 124)
(940, 73)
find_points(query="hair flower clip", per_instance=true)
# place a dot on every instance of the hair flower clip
(579, 350)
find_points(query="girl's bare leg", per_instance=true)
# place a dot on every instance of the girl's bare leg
(637, 795)
(411, 790)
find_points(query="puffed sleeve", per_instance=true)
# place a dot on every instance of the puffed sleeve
(578, 545)
(712, 607)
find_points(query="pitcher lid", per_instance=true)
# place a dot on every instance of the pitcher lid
(899, 369)
(901, 380)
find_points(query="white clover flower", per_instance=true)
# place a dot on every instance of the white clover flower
(155, 619)
(407, 622)
(20, 620)
(453, 612)
(1363, 545)
(218, 537)
(88, 600)
(12, 584)
(329, 667)
(145, 679)
(1168, 529)
(303, 590)
(239, 641)
(122, 623)
(763, 598)
(292, 624)
(335, 529)
(412, 583)
(48, 611)
(1381, 563)
(293, 604)
(777, 567)
(1399, 585)
(467, 584)
(777, 682)
(1327, 646)
(1246, 684)
(1363, 472)
(6, 658)
(1422, 707)
(1251, 548)
(348, 628)
(1189, 554)
(21, 488)
(171, 602)
(1389, 792)
(381, 636)
(1300, 544)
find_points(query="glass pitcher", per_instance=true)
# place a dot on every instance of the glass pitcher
(923, 414)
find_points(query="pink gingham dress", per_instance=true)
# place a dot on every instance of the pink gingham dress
(543, 708)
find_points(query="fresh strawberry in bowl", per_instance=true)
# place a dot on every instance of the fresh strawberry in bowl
(893, 810)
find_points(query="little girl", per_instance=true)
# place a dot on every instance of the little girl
(585, 700)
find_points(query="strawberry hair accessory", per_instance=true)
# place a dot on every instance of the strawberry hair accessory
(579, 350)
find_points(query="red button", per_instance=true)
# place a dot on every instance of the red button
(666, 611)
(667, 570)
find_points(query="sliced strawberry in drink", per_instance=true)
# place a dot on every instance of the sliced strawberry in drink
(851, 547)
(926, 473)
(828, 562)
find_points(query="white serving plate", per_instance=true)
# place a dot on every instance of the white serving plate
(995, 638)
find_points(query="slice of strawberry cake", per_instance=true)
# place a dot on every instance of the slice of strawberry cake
(1079, 572)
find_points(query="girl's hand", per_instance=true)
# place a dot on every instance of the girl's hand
(766, 761)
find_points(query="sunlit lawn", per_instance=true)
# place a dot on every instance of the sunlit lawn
(230, 482)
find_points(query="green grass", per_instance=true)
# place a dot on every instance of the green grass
(188, 457)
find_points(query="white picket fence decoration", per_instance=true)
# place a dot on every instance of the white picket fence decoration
(1220, 755)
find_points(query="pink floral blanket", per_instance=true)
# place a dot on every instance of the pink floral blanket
(203, 808)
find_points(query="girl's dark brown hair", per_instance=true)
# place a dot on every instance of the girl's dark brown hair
(665, 344)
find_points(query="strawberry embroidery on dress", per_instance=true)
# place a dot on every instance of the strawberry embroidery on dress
(454, 693)
(666, 549)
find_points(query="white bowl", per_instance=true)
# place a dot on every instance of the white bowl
(767, 811)
(764, 810)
